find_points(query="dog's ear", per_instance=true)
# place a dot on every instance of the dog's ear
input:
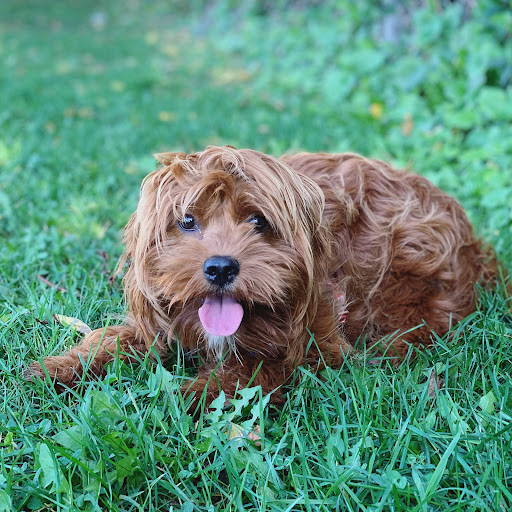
(149, 223)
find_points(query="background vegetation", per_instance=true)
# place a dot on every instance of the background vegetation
(88, 91)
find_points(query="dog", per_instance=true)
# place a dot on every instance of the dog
(259, 265)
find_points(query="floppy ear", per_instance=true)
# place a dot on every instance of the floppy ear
(130, 236)
(144, 313)
(139, 237)
(141, 226)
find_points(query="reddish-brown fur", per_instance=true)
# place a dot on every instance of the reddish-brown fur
(401, 252)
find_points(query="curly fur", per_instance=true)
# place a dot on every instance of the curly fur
(401, 252)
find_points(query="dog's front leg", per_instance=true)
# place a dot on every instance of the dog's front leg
(94, 352)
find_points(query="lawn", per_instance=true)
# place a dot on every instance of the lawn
(88, 92)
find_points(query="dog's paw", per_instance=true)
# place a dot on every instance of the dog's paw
(36, 370)
(57, 368)
(201, 394)
(33, 372)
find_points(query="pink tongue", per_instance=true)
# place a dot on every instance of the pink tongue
(221, 316)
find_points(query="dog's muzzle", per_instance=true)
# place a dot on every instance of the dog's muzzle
(221, 270)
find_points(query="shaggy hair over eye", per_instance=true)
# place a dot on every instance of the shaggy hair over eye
(261, 264)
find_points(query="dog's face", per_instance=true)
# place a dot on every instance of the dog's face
(224, 247)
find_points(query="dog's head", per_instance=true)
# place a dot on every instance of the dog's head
(225, 249)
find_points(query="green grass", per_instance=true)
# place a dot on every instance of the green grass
(88, 92)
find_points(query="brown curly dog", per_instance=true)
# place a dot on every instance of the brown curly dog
(243, 257)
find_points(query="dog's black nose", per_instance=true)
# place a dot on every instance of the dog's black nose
(221, 270)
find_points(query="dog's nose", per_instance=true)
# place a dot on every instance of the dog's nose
(221, 270)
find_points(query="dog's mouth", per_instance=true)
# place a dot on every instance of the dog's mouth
(221, 315)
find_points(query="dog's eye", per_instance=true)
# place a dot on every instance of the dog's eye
(188, 223)
(259, 222)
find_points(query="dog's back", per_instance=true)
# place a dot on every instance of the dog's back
(407, 257)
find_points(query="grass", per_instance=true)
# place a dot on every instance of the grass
(89, 91)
